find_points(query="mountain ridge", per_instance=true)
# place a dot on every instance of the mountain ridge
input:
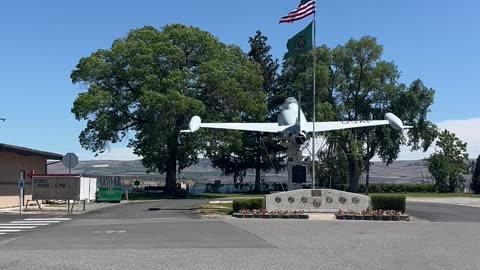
(401, 171)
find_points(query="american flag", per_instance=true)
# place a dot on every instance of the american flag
(304, 9)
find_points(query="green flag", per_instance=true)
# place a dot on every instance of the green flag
(301, 42)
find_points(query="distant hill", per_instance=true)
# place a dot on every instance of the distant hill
(411, 171)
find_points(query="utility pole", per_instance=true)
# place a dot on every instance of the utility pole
(367, 178)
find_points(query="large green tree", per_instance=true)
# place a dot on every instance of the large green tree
(254, 150)
(354, 83)
(449, 163)
(148, 85)
(332, 170)
(475, 170)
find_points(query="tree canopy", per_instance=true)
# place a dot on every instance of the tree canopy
(475, 170)
(355, 83)
(253, 150)
(148, 85)
(449, 163)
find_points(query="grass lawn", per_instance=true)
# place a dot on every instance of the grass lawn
(432, 195)
(216, 209)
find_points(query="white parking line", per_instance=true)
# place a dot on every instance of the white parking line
(24, 224)
(28, 223)
(47, 219)
(36, 221)
(17, 227)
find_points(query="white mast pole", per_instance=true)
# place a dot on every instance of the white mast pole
(314, 75)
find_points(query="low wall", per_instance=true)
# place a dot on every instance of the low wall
(316, 201)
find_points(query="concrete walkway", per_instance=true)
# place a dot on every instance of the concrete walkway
(57, 209)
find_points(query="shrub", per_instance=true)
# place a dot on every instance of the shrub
(248, 204)
(398, 188)
(388, 202)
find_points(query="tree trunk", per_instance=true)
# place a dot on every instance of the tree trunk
(354, 167)
(257, 179)
(171, 178)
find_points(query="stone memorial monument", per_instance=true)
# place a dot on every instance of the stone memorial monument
(316, 201)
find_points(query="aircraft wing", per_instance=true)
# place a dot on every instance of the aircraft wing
(390, 119)
(327, 126)
(196, 123)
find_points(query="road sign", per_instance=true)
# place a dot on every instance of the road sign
(21, 183)
(70, 160)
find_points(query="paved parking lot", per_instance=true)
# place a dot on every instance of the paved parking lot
(170, 235)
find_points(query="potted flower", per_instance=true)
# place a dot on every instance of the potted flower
(358, 215)
(367, 215)
(340, 214)
(285, 214)
(386, 215)
(349, 215)
(396, 215)
(376, 215)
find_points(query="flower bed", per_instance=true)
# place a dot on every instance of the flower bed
(377, 215)
(244, 213)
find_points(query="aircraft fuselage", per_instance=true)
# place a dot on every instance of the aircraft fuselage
(289, 117)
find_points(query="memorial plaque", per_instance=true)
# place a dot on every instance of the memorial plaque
(316, 193)
(317, 203)
(355, 200)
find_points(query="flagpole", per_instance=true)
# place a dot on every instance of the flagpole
(314, 85)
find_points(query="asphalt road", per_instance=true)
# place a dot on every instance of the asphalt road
(149, 209)
(169, 234)
(442, 212)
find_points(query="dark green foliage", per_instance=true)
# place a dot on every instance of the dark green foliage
(279, 187)
(353, 83)
(398, 188)
(388, 202)
(449, 163)
(253, 150)
(147, 86)
(332, 170)
(475, 184)
(248, 204)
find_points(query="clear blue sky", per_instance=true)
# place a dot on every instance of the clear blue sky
(42, 41)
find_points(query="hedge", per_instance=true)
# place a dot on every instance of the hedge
(388, 202)
(398, 188)
(249, 204)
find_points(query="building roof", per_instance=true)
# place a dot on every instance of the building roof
(29, 152)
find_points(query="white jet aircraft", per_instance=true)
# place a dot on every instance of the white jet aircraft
(292, 123)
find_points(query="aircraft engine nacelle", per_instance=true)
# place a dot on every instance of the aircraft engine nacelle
(394, 121)
(194, 124)
(300, 139)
